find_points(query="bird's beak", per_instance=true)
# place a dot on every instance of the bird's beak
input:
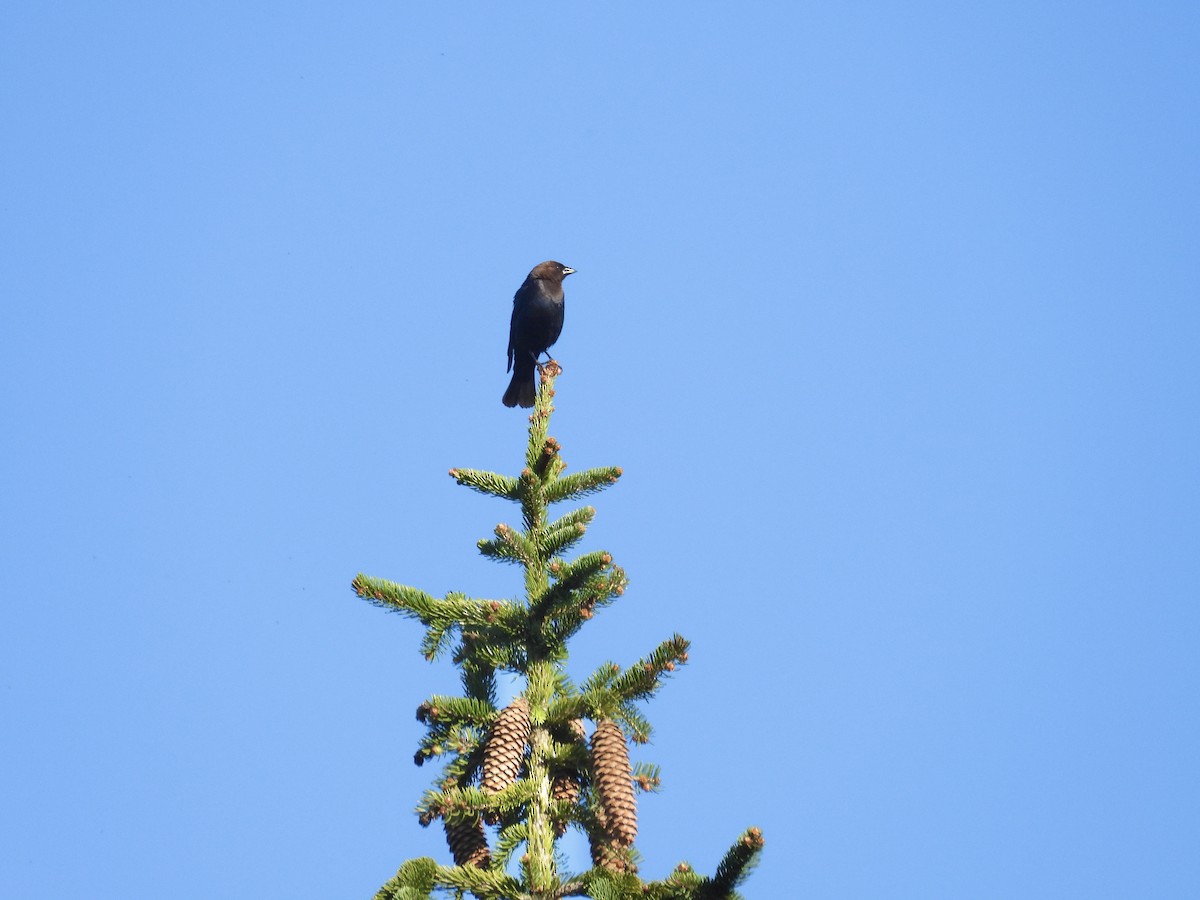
(567, 270)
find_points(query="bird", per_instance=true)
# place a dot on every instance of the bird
(537, 321)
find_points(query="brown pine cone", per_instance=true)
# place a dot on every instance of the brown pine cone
(613, 779)
(566, 786)
(505, 748)
(468, 843)
(566, 783)
(607, 854)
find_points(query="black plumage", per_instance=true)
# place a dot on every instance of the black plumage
(537, 321)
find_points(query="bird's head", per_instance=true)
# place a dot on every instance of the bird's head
(551, 270)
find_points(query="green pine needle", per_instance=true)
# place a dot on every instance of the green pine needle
(488, 483)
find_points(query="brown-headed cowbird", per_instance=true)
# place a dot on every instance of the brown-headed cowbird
(537, 321)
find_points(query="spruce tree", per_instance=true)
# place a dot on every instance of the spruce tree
(529, 770)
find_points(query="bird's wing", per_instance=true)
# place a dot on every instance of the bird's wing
(512, 335)
(556, 328)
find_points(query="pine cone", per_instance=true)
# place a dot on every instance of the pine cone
(578, 730)
(564, 787)
(607, 854)
(468, 843)
(505, 748)
(613, 780)
(566, 784)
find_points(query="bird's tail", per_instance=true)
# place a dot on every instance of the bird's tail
(522, 390)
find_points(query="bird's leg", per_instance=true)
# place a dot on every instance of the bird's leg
(548, 369)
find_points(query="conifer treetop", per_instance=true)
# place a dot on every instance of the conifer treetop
(528, 770)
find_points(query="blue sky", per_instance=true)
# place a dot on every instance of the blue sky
(888, 311)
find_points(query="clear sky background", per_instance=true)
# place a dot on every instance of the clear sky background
(887, 310)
